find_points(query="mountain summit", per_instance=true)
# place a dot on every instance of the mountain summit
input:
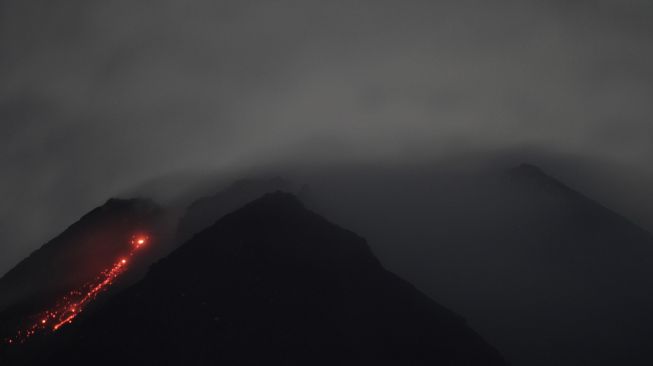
(205, 211)
(274, 283)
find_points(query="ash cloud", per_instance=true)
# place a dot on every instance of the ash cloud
(98, 96)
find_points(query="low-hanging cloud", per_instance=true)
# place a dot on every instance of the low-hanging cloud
(96, 96)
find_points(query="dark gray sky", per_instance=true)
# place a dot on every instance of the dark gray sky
(98, 96)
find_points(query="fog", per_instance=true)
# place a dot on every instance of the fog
(98, 99)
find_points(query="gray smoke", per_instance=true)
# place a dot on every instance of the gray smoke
(99, 96)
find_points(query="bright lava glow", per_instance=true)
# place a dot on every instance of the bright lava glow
(73, 303)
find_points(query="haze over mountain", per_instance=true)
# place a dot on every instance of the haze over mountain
(97, 97)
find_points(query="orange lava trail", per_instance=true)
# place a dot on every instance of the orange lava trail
(72, 304)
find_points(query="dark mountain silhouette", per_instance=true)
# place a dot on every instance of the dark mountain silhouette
(544, 273)
(205, 211)
(274, 284)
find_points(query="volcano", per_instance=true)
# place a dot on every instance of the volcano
(276, 284)
(54, 284)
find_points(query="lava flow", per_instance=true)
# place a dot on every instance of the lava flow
(73, 303)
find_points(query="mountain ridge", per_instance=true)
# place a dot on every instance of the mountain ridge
(275, 277)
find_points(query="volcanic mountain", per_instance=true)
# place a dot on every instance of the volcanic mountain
(75, 262)
(79, 253)
(274, 284)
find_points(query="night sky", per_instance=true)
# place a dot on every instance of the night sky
(100, 97)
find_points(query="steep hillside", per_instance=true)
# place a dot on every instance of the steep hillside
(275, 284)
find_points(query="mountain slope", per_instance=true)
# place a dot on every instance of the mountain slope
(584, 276)
(78, 254)
(562, 279)
(275, 284)
(68, 277)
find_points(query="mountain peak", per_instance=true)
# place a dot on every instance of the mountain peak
(533, 176)
(123, 202)
(277, 201)
(207, 210)
(528, 171)
(527, 168)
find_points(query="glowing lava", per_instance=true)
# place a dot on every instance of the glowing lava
(73, 303)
